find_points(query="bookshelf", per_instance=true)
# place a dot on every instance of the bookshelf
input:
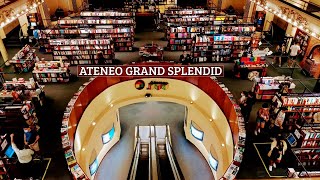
(218, 48)
(122, 37)
(303, 39)
(24, 60)
(51, 71)
(122, 22)
(75, 169)
(240, 146)
(302, 109)
(81, 51)
(116, 14)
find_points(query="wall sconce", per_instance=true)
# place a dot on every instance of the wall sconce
(148, 95)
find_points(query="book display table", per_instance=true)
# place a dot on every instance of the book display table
(152, 52)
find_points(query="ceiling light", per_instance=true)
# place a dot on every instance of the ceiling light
(93, 123)
(191, 102)
(210, 120)
(222, 145)
(83, 149)
(111, 105)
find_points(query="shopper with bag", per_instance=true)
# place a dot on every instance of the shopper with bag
(278, 122)
(277, 151)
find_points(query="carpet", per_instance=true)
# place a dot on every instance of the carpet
(262, 150)
(37, 171)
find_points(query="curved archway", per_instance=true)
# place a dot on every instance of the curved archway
(221, 103)
(202, 109)
(315, 52)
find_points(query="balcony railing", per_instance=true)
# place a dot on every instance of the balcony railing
(305, 6)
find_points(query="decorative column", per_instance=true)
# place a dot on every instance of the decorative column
(4, 53)
(45, 15)
(74, 6)
(219, 5)
(267, 22)
(291, 31)
(23, 21)
(249, 10)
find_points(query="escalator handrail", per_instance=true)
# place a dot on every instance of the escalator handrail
(157, 154)
(172, 161)
(135, 161)
(150, 156)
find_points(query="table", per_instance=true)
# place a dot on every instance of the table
(152, 52)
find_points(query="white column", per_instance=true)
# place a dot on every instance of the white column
(4, 52)
(291, 31)
(267, 22)
(23, 21)
(45, 15)
(248, 11)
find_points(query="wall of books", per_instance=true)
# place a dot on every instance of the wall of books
(303, 119)
(184, 24)
(81, 51)
(218, 48)
(94, 25)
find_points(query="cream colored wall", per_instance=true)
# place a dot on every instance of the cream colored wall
(312, 21)
(201, 111)
(237, 5)
(66, 5)
(94, 133)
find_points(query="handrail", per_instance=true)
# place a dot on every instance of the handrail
(157, 153)
(150, 158)
(135, 161)
(172, 161)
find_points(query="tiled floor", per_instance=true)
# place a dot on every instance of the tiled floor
(60, 94)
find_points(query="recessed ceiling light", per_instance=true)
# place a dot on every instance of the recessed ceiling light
(191, 102)
(93, 123)
(222, 145)
(210, 120)
(111, 105)
(83, 149)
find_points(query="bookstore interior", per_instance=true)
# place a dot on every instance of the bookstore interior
(260, 121)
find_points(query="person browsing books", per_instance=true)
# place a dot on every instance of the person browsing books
(294, 51)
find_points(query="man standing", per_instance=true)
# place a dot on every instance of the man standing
(294, 51)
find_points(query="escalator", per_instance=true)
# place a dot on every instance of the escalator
(164, 163)
(154, 158)
(168, 165)
(143, 163)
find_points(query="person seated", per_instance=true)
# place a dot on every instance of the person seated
(183, 57)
